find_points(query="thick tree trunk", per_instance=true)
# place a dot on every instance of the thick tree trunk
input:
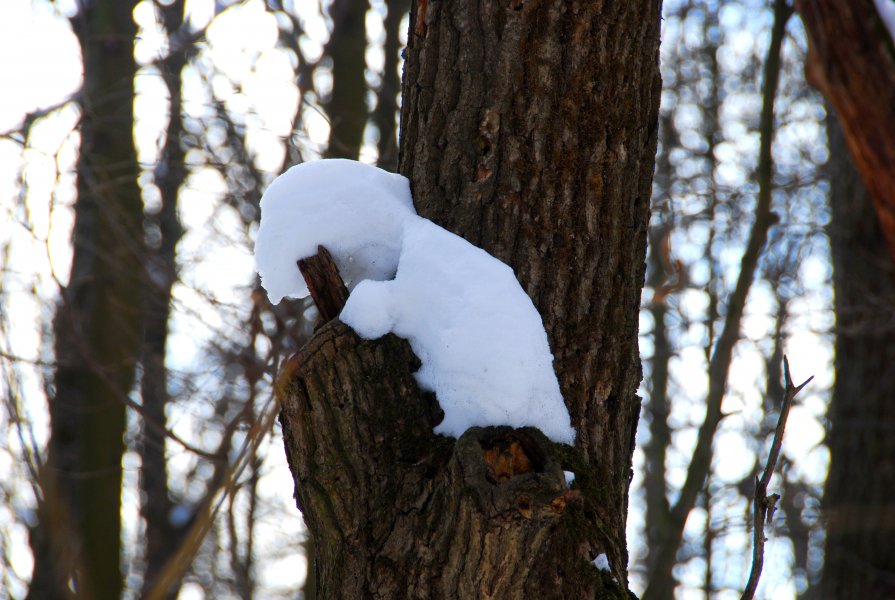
(860, 513)
(98, 327)
(530, 129)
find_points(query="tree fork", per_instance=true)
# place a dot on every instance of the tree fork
(447, 518)
(473, 517)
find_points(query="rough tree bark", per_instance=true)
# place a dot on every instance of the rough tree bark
(97, 329)
(852, 62)
(860, 514)
(529, 128)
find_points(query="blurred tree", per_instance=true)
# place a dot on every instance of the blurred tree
(531, 161)
(347, 104)
(859, 557)
(386, 114)
(164, 230)
(662, 582)
(852, 62)
(98, 327)
(714, 180)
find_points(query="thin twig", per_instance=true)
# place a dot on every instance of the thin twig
(763, 505)
(662, 580)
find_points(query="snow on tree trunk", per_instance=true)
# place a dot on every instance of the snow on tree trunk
(530, 130)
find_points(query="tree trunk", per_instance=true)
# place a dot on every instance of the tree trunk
(163, 536)
(860, 513)
(387, 97)
(98, 327)
(347, 105)
(852, 62)
(529, 129)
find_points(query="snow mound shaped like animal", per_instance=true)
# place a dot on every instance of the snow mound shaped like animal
(481, 341)
(356, 211)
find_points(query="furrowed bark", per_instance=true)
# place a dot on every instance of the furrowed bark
(530, 129)
(446, 518)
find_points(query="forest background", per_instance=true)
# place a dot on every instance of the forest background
(229, 94)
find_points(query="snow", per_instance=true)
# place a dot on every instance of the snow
(479, 337)
(886, 10)
(355, 210)
(601, 562)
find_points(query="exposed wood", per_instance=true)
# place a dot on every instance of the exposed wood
(852, 62)
(324, 282)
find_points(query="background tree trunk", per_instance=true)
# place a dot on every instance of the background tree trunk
(98, 327)
(860, 514)
(347, 105)
(385, 115)
(530, 129)
(852, 62)
(163, 535)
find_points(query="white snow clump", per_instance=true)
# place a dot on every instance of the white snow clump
(601, 562)
(481, 342)
(355, 210)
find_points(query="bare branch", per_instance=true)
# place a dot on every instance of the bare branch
(662, 580)
(325, 284)
(762, 504)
